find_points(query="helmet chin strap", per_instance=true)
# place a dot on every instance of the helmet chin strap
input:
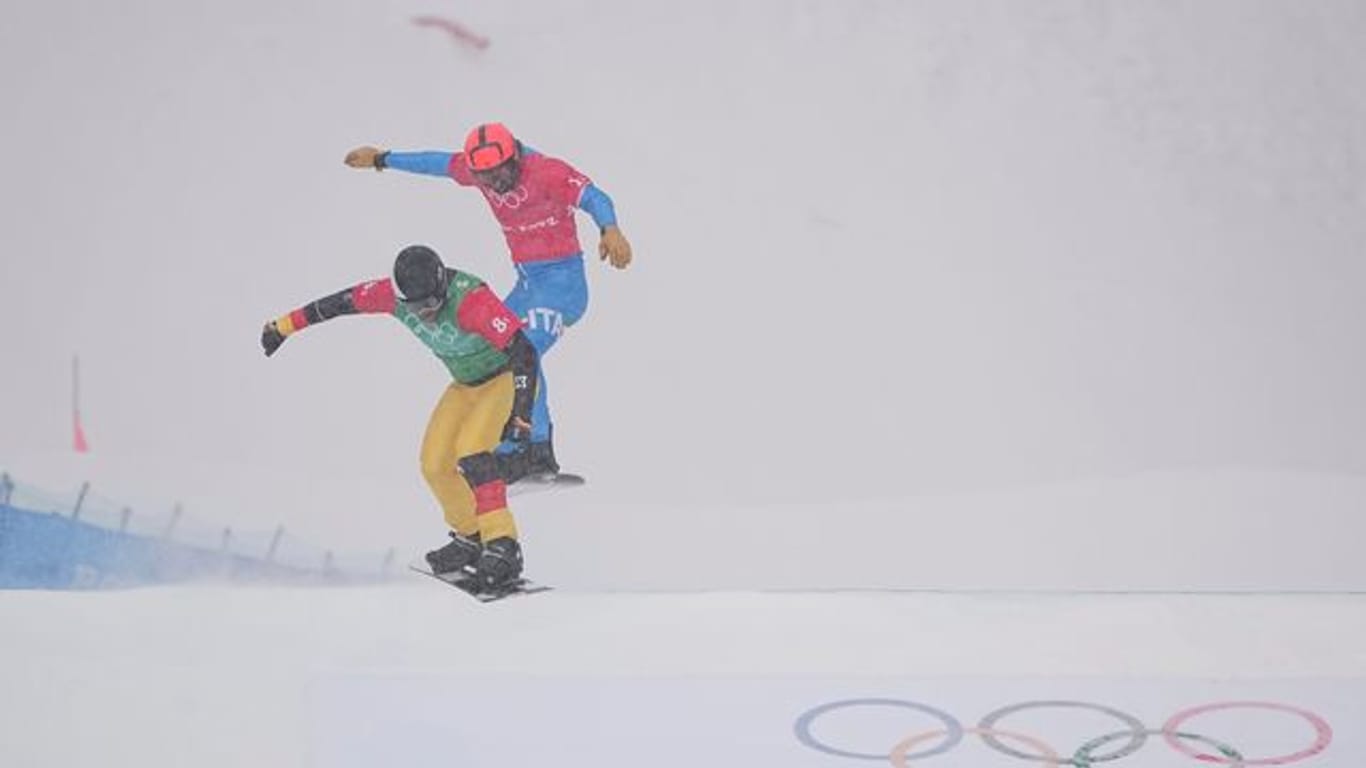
(504, 178)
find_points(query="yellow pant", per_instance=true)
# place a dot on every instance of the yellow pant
(468, 421)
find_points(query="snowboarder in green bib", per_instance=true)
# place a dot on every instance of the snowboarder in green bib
(493, 367)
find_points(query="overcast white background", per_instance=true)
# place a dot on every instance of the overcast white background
(1049, 269)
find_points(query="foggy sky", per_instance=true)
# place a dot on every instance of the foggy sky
(885, 250)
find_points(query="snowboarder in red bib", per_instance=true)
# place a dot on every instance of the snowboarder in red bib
(533, 197)
(494, 368)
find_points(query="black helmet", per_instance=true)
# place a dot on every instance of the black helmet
(419, 274)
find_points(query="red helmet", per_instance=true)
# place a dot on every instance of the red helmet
(489, 146)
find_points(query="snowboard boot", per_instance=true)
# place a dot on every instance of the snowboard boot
(499, 565)
(535, 460)
(540, 459)
(460, 553)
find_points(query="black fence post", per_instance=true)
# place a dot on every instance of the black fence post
(80, 499)
(274, 544)
(6, 520)
(169, 564)
(172, 523)
(123, 520)
(225, 555)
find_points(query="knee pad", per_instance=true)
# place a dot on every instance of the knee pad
(479, 468)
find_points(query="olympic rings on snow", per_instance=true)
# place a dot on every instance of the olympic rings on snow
(1323, 733)
(1174, 732)
(901, 759)
(953, 730)
(1138, 732)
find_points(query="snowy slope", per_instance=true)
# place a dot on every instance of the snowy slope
(287, 677)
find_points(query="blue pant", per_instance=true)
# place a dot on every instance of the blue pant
(549, 296)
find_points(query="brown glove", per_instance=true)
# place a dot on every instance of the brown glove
(364, 157)
(614, 248)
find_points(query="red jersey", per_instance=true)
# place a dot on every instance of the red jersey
(537, 216)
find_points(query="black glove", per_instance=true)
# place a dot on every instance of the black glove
(271, 338)
(517, 430)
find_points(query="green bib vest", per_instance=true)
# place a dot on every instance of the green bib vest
(467, 355)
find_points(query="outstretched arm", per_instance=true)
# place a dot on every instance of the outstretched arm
(431, 163)
(373, 297)
(484, 313)
(425, 163)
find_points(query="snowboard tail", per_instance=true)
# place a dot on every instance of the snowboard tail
(463, 580)
(545, 482)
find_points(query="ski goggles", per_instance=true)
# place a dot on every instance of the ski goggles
(500, 178)
(427, 304)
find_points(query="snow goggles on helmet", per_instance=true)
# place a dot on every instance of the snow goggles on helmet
(425, 304)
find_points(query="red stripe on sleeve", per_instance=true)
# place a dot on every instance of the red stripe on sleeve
(485, 314)
(375, 297)
(299, 319)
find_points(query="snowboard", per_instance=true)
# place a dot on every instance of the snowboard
(545, 482)
(461, 580)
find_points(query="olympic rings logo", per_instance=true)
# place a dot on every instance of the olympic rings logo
(512, 199)
(1097, 750)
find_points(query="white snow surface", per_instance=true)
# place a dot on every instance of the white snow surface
(297, 677)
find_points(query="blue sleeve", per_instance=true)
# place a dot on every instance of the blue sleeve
(597, 204)
(425, 163)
